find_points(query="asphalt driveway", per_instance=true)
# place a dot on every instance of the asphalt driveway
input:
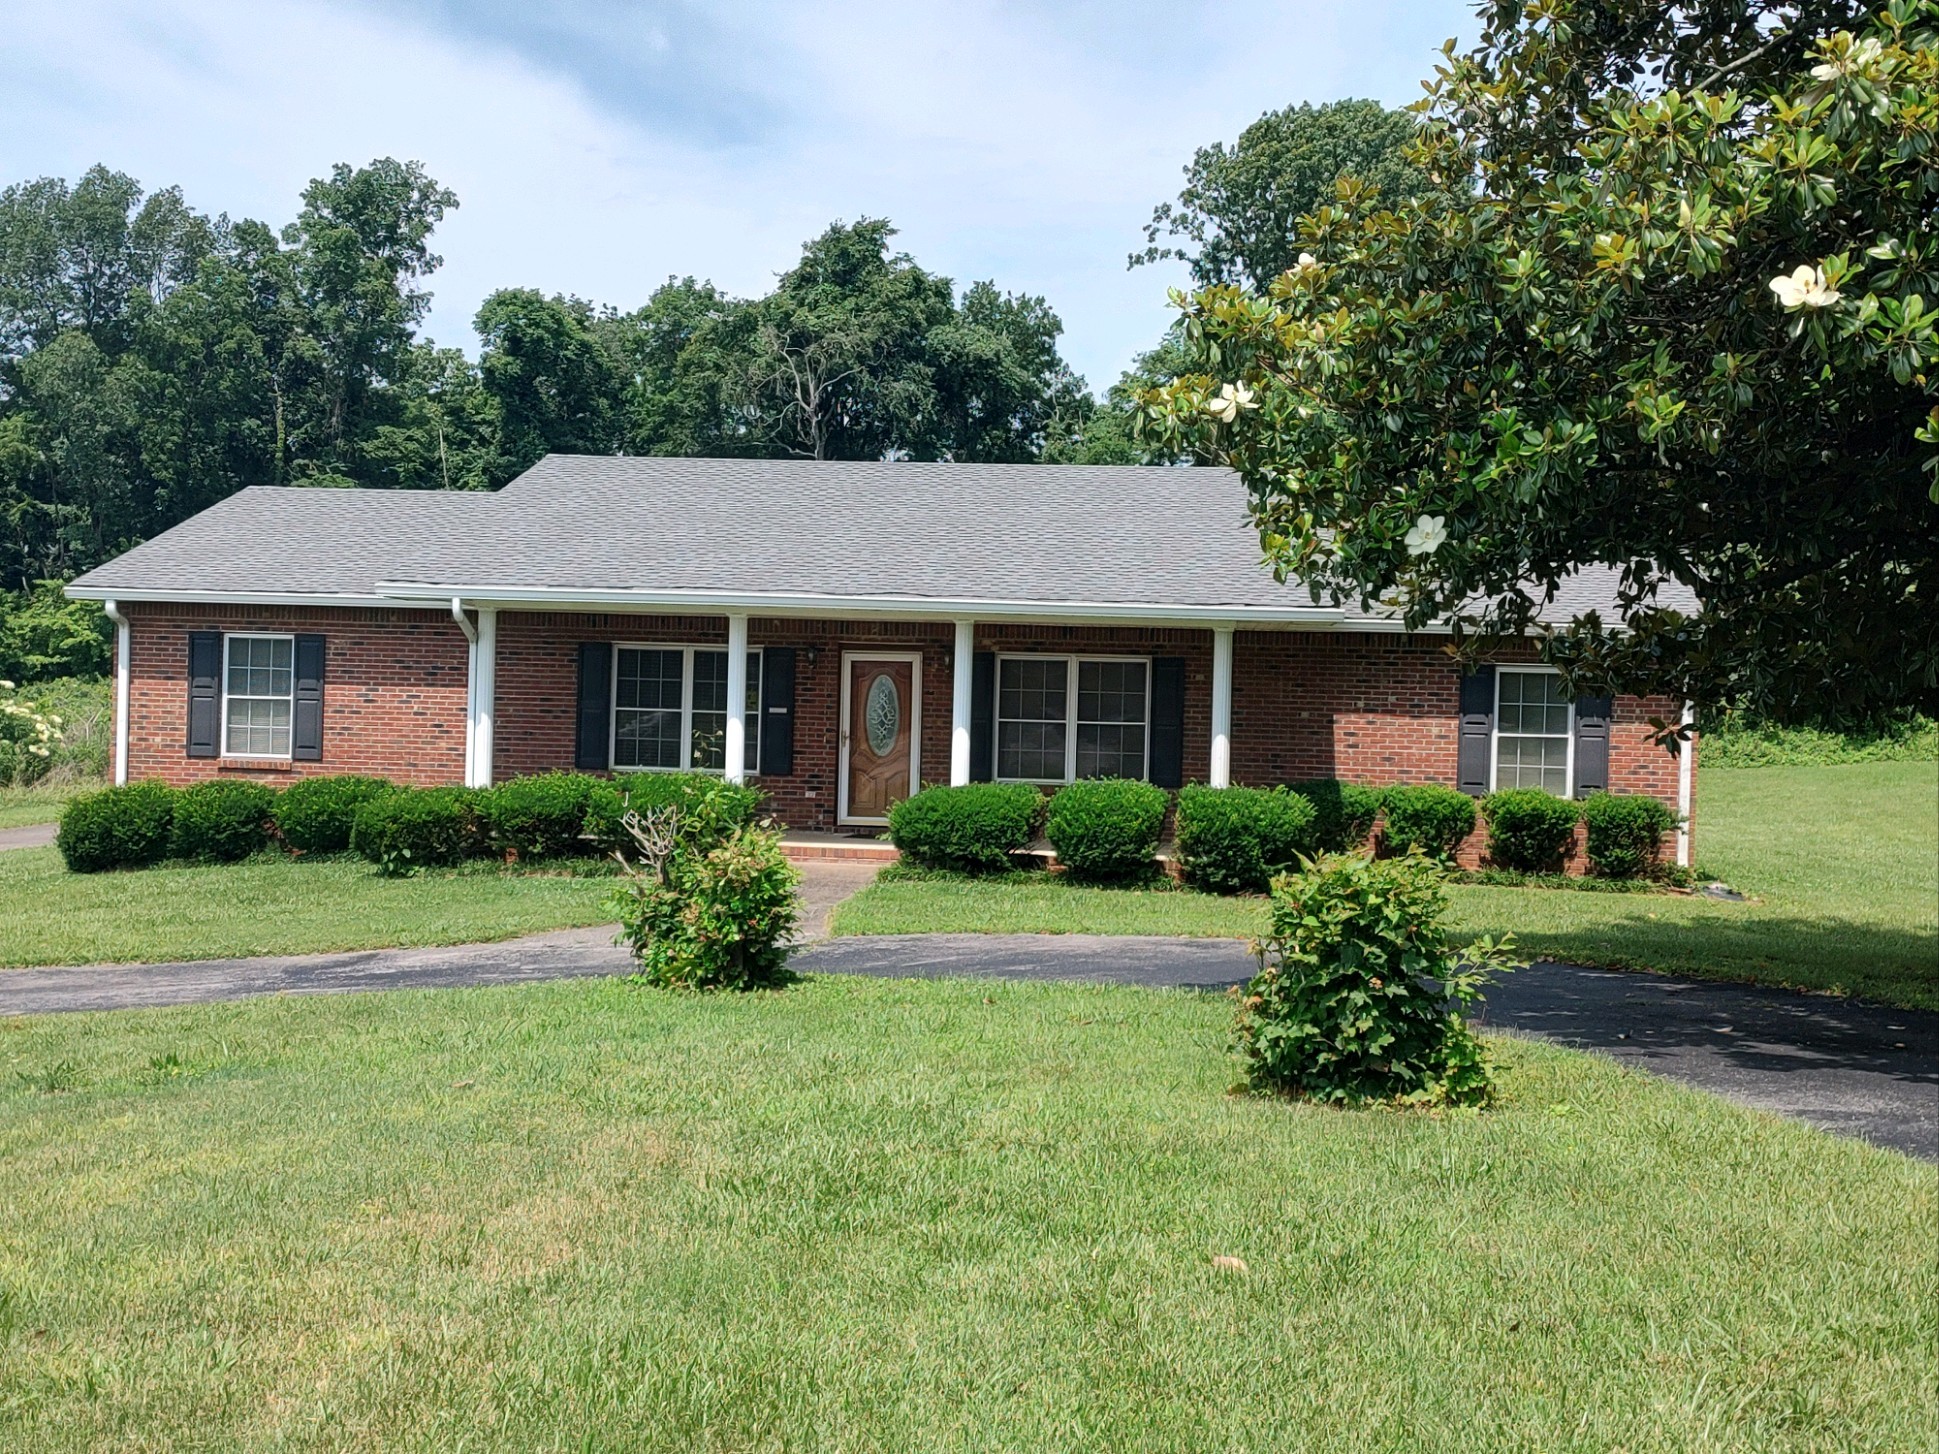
(1853, 1069)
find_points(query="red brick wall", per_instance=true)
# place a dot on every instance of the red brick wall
(1375, 709)
(393, 695)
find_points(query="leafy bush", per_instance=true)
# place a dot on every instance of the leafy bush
(222, 821)
(539, 817)
(710, 808)
(1729, 741)
(1343, 813)
(969, 829)
(412, 828)
(28, 739)
(43, 635)
(1625, 833)
(1233, 840)
(126, 827)
(316, 814)
(83, 707)
(1360, 993)
(1528, 829)
(1106, 829)
(718, 919)
(1427, 816)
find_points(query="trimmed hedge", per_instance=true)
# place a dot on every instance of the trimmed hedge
(316, 814)
(538, 817)
(222, 821)
(1106, 829)
(126, 827)
(404, 831)
(1428, 816)
(1233, 840)
(969, 829)
(1343, 813)
(711, 809)
(1528, 829)
(1625, 833)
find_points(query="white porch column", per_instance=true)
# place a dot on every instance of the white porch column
(962, 687)
(1221, 773)
(735, 764)
(484, 688)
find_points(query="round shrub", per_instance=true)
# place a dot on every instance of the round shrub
(316, 814)
(1360, 990)
(1343, 813)
(1625, 833)
(1233, 840)
(127, 827)
(722, 919)
(970, 829)
(710, 808)
(539, 817)
(1528, 829)
(1106, 828)
(223, 821)
(413, 828)
(1427, 816)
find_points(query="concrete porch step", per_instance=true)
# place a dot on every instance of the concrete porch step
(804, 845)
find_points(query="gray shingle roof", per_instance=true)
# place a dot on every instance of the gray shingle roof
(1051, 534)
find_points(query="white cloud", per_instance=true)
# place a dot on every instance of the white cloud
(598, 148)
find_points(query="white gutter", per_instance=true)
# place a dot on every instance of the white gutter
(123, 670)
(471, 684)
(809, 604)
(225, 598)
(1685, 780)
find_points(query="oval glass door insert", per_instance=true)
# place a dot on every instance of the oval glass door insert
(883, 714)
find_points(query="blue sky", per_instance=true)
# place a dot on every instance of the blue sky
(598, 147)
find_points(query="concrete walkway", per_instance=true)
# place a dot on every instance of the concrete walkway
(1856, 1070)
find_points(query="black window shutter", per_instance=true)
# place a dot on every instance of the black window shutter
(594, 746)
(983, 717)
(205, 687)
(1592, 719)
(777, 712)
(1168, 721)
(1477, 730)
(306, 736)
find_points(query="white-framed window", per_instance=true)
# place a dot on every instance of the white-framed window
(1534, 743)
(258, 694)
(670, 709)
(1061, 718)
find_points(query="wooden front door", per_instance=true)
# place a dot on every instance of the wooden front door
(881, 715)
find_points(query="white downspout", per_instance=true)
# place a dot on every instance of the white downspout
(734, 750)
(1686, 767)
(962, 688)
(123, 671)
(471, 682)
(1221, 773)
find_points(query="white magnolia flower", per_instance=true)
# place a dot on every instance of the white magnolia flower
(1804, 288)
(1230, 399)
(1306, 260)
(1430, 532)
(1859, 58)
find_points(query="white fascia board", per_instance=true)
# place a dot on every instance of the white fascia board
(804, 604)
(222, 598)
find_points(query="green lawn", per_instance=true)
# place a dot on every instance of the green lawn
(1843, 863)
(866, 1215)
(24, 807)
(269, 905)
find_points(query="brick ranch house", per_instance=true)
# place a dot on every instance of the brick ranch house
(837, 633)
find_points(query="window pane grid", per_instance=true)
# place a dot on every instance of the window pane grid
(1050, 728)
(1532, 732)
(670, 709)
(259, 683)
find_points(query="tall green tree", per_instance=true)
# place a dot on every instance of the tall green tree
(1671, 313)
(550, 369)
(1237, 218)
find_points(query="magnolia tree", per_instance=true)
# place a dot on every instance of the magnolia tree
(1665, 311)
